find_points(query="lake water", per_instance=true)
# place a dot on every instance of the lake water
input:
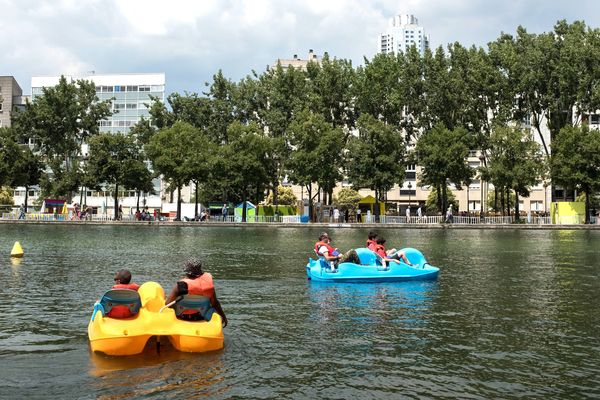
(513, 314)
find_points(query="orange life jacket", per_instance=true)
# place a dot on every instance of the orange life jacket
(371, 244)
(121, 311)
(318, 245)
(201, 286)
(380, 249)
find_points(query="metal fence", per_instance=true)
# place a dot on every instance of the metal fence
(290, 219)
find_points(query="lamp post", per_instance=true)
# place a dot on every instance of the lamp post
(409, 190)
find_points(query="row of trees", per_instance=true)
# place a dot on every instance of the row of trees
(313, 127)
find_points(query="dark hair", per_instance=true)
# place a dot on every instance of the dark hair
(323, 236)
(124, 276)
(193, 268)
(372, 235)
(380, 240)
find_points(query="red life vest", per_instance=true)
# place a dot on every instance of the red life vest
(380, 249)
(371, 244)
(121, 311)
(318, 245)
(201, 286)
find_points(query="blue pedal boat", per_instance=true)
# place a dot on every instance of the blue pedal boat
(372, 270)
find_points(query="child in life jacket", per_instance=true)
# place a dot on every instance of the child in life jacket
(122, 281)
(390, 255)
(332, 255)
(372, 241)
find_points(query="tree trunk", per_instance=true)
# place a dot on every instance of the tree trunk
(502, 202)
(178, 204)
(116, 194)
(439, 199)
(243, 205)
(508, 201)
(137, 204)
(310, 203)
(196, 200)
(26, 197)
(445, 204)
(517, 215)
(587, 206)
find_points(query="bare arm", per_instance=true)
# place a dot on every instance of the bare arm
(217, 305)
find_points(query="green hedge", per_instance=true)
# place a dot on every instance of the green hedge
(282, 210)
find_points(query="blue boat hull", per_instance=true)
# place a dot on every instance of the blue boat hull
(371, 269)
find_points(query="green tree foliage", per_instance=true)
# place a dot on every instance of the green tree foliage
(318, 153)
(286, 197)
(60, 121)
(169, 150)
(243, 164)
(27, 170)
(9, 155)
(347, 199)
(432, 205)
(376, 158)
(575, 160)
(442, 153)
(6, 197)
(515, 162)
(115, 159)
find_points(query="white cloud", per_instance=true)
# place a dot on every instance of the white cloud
(190, 40)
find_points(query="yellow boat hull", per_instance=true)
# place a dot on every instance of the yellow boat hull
(124, 337)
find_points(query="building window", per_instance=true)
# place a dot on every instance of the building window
(595, 119)
(410, 167)
(1, 107)
(144, 88)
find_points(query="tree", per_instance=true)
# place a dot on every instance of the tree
(516, 162)
(376, 158)
(9, 155)
(347, 199)
(60, 121)
(113, 158)
(286, 197)
(317, 155)
(575, 160)
(27, 170)
(169, 150)
(243, 164)
(442, 155)
(432, 205)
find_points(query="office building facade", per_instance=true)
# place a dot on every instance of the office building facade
(403, 32)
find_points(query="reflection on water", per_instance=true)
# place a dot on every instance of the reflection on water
(513, 314)
(158, 370)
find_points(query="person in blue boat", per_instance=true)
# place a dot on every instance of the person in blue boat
(122, 281)
(391, 255)
(324, 249)
(199, 283)
(372, 241)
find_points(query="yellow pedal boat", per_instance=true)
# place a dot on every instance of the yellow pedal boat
(128, 336)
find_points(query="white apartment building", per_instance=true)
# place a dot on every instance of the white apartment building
(130, 96)
(403, 31)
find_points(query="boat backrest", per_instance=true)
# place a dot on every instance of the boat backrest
(121, 297)
(195, 302)
(367, 257)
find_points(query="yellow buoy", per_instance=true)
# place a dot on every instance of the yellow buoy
(17, 250)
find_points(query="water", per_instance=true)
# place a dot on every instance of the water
(512, 315)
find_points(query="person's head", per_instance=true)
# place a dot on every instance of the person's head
(193, 268)
(380, 240)
(324, 237)
(123, 277)
(372, 235)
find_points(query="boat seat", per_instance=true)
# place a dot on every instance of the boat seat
(195, 302)
(118, 297)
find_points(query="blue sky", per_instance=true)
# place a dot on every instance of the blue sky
(191, 40)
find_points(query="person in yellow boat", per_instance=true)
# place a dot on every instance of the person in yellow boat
(122, 281)
(198, 283)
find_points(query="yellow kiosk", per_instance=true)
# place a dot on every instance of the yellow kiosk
(369, 204)
(568, 212)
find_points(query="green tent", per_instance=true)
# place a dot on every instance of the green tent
(250, 212)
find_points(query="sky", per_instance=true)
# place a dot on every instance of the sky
(190, 40)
